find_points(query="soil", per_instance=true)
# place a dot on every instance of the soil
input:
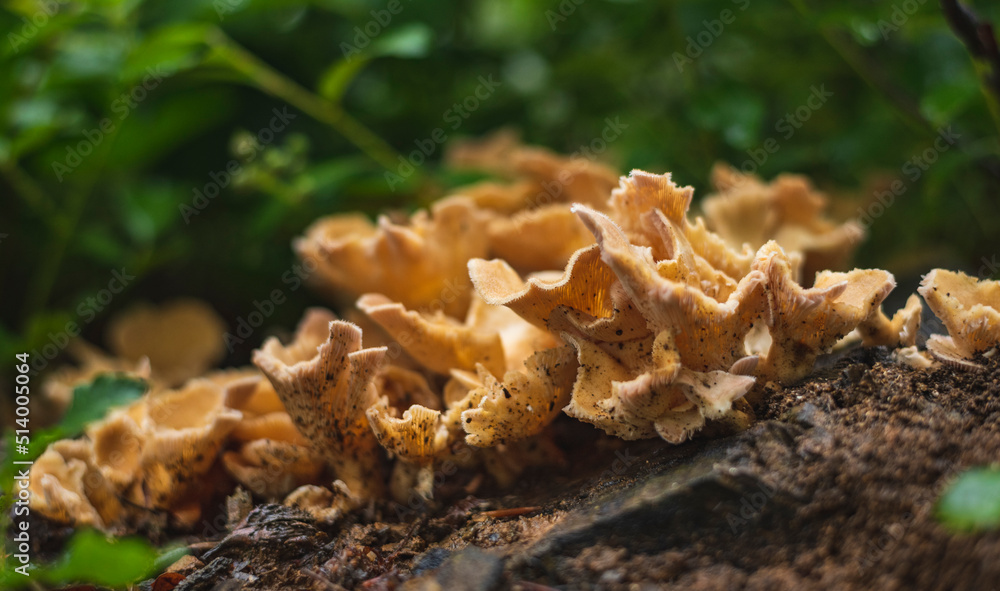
(833, 488)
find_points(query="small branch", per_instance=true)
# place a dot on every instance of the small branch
(64, 228)
(27, 189)
(51, 260)
(502, 513)
(964, 23)
(980, 39)
(274, 83)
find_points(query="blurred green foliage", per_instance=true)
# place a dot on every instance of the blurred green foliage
(116, 114)
(972, 501)
(92, 557)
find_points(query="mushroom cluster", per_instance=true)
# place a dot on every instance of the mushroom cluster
(146, 456)
(193, 433)
(469, 327)
(555, 291)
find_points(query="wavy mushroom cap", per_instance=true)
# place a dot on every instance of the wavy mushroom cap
(557, 178)
(969, 309)
(327, 393)
(808, 321)
(745, 210)
(419, 263)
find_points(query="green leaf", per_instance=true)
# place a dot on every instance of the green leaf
(158, 127)
(946, 100)
(93, 558)
(33, 112)
(91, 54)
(972, 502)
(14, 580)
(27, 140)
(735, 113)
(100, 244)
(327, 177)
(411, 40)
(335, 80)
(38, 337)
(92, 401)
(166, 51)
(40, 440)
(150, 209)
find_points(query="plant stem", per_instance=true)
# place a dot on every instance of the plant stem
(27, 189)
(992, 98)
(980, 40)
(64, 227)
(274, 83)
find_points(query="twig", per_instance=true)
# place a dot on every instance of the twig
(500, 513)
(529, 586)
(199, 548)
(27, 189)
(64, 229)
(980, 39)
(274, 83)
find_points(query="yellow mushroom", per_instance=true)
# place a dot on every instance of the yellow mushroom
(747, 211)
(327, 387)
(807, 322)
(419, 263)
(969, 309)
(182, 339)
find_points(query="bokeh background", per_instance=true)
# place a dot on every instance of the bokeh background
(183, 87)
